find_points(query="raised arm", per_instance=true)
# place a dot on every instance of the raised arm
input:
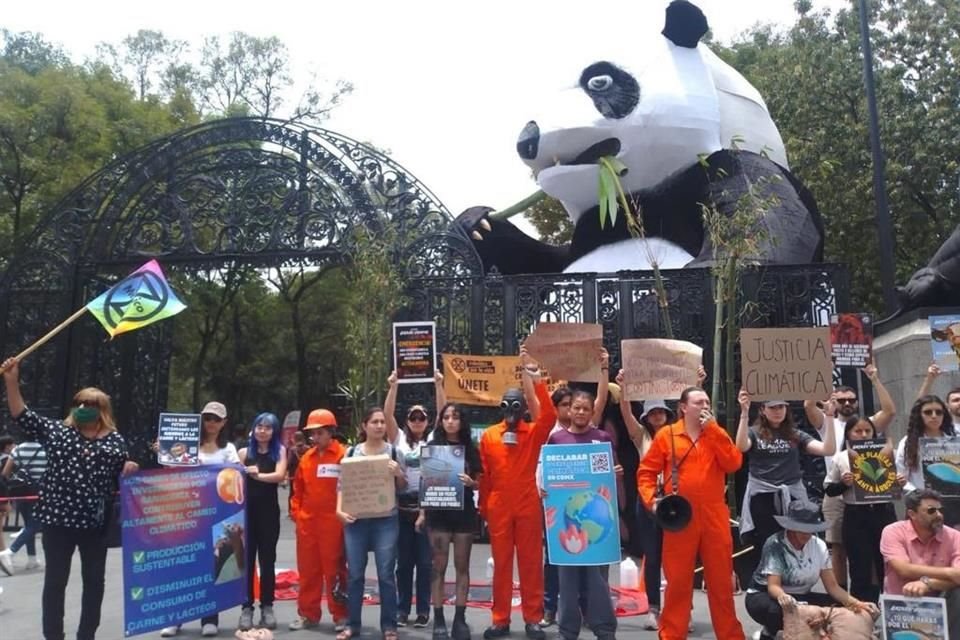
(439, 393)
(888, 409)
(743, 429)
(933, 371)
(529, 366)
(729, 457)
(603, 388)
(826, 447)
(11, 379)
(390, 408)
(636, 430)
(548, 413)
(814, 414)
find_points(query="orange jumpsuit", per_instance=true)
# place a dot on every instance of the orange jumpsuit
(510, 503)
(320, 557)
(702, 480)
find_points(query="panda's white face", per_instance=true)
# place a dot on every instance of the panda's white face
(658, 117)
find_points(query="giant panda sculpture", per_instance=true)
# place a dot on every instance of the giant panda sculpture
(691, 132)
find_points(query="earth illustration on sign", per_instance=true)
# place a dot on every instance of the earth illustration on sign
(588, 518)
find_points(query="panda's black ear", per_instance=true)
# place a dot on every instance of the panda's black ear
(685, 24)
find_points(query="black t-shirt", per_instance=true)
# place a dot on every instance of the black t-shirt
(777, 460)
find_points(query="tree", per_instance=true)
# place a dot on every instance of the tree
(551, 221)
(143, 59)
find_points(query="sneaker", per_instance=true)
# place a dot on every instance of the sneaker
(440, 632)
(549, 619)
(421, 621)
(403, 619)
(209, 630)
(33, 563)
(339, 625)
(534, 632)
(651, 622)
(494, 631)
(460, 630)
(6, 561)
(267, 619)
(302, 622)
(246, 619)
(169, 632)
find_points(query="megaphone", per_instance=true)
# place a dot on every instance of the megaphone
(672, 512)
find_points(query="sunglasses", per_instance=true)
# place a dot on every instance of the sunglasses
(417, 417)
(515, 405)
(209, 417)
(933, 412)
(932, 510)
(846, 401)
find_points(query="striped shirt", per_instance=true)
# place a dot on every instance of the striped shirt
(32, 457)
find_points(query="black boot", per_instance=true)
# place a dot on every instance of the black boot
(439, 625)
(460, 629)
(494, 631)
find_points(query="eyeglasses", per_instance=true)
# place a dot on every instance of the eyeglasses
(846, 401)
(209, 417)
(417, 417)
(933, 412)
(932, 510)
(515, 405)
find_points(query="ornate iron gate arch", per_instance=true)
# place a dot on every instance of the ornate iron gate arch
(257, 191)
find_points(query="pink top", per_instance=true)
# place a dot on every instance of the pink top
(900, 540)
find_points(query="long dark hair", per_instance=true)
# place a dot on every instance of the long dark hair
(787, 429)
(465, 434)
(362, 436)
(849, 426)
(915, 428)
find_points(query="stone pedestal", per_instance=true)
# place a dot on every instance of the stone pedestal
(902, 353)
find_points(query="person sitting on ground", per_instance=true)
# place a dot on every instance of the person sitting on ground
(791, 564)
(922, 556)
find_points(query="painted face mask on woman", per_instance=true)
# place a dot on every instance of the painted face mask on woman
(85, 415)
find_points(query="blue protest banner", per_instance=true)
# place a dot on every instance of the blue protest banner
(184, 536)
(582, 523)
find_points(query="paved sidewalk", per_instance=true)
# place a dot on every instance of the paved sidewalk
(20, 606)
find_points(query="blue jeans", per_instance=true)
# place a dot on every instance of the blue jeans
(416, 553)
(380, 536)
(30, 528)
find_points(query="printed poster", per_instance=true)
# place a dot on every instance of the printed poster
(940, 458)
(184, 536)
(479, 380)
(851, 339)
(414, 351)
(786, 364)
(874, 474)
(580, 510)
(656, 369)
(570, 350)
(906, 618)
(440, 483)
(945, 341)
(178, 436)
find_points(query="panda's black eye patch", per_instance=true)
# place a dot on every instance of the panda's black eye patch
(615, 93)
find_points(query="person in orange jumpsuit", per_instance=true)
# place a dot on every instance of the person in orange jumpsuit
(704, 453)
(320, 556)
(510, 503)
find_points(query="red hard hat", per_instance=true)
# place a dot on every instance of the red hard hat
(320, 418)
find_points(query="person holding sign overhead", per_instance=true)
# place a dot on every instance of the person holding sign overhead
(510, 502)
(694, 454)
(775, 478)
(363, 535)
(862, 523)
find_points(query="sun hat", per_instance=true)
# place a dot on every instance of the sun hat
(803, 517)
(651, 405)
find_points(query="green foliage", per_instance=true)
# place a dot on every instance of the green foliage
(551, 221)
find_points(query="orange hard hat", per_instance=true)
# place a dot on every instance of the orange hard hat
(320, 418)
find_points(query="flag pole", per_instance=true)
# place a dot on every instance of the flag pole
(50, 334)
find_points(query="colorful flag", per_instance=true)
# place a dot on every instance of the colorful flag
(140, 299)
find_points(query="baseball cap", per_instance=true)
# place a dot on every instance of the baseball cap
(216, 409)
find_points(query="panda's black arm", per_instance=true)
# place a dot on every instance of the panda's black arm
(507, 248)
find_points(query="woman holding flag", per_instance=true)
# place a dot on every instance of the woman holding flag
(85, 457)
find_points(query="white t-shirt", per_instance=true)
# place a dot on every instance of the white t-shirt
(914, 476)
(799, 569)
(410, 456)
(838, 426)
(226, 455)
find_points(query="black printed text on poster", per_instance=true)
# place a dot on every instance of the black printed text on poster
(414, 351)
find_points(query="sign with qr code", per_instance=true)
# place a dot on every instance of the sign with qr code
(580, 508)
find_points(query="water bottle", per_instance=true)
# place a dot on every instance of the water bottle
(629, 574)
(490, 568)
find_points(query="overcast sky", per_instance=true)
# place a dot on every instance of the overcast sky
(445, 86)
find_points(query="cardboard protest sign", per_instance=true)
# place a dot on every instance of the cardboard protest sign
(851, 339)
(440, 483)
(940, 460)
(786, 364)
(479, 380)
(874, 475)
(291, 423)
(945, 341)
(414, 351)
(658, 369)
(906, 618)
(570, 350)
(178, 437)
(368, 486)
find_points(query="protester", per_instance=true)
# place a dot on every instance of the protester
(29, 458)
(417, 554)
(266, 465)
(953, 396)
(372, 534)
(510, 502)
(86, 456)
(297, 448)
(841, 406)
(458, 527)
(561, 399)
(922, 555)
(215, 448)
(792, 563)
(6, 469)
(774, 477)
(862, 523)
(929, 418)
(704, 454)
(587, 583)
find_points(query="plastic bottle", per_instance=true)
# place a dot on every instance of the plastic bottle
(629, 574)
(490, 568)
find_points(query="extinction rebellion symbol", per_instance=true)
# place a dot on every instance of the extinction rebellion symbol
(138, 299)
